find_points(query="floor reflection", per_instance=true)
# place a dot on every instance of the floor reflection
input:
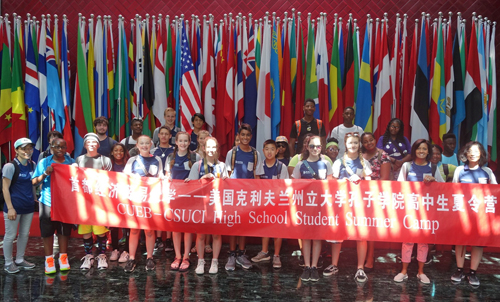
(260, 283)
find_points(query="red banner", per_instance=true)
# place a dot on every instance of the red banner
(440, 213)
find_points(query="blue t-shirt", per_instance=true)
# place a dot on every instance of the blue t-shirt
(452, 160)
(416, 172)
(198, 170)
(162, 153)
(146, 166)
(321, 168)
(118, 168)
(285, 160)
(194, 141)
(464, 174)
(21, 192)
(244, 164)
(272, 172)
(355, 165)
(181, 167)
(45, 196)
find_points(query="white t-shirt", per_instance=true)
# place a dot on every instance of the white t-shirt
(339, 133)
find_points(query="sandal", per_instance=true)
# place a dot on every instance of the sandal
(208, 249)
(175, 265)
(184, 265)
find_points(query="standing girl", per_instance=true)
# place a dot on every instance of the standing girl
(178, 166)
(419, 169)
(474, 171)
(353, 167)
(312, 166)
(19, 195)
(396, 145)
(208, 168)
(143, 165)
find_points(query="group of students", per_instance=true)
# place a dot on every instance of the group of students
(348, 154)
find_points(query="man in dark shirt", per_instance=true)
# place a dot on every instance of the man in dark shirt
(308, 124)
(105, 142)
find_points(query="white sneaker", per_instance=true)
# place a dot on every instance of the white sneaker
(214, 268)
(102, 262)
(124, 257)
(50, 268)
(200, 269)
(88, 262)
(115, 254)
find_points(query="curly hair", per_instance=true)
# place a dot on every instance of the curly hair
(399, 137)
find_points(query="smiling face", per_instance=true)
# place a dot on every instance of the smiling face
(315, 146)
(144, 145)
(309, 108)
(245, 137)
(436, 156)
(422, 151)
(182, 142)
(58, 148)
(169, 118)
(332, 152)
(101, 128)
(270, 151)
(211, 148)
(118, 152)
(369, 143)
(352, 144)
(137, 127)
(474, 154)
(25, 152)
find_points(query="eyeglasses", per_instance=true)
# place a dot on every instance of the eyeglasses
(349, 134)
(395, 127)
(314, 146)
(333, 149)
(59, 147)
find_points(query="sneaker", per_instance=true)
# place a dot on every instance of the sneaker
(102, 262)
(214, 267)
(243, 261)
(63, 262)
(458, 276)
(130, 266)
(261, 256)
(150, 264)
(200, 268)
(122, 241)
(231, 262)
(330, 270)
(157, 243)
(301, 261)
(124, 257)
(50, 268)
(400, 277)
(430, 258)
(361, 276)
(88, 262)
(11, 268)
(25, 265)
(473, 280)
(169, 245)
(115, 254)
(314, 274)
(423, 278)
(306, 274)
(276, 261)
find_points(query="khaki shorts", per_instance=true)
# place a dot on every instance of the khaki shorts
(87, 229)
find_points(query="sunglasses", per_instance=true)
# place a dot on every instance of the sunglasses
(349, 134)
(281, 145)
(314, 146)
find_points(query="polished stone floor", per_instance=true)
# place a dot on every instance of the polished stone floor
(261, 283)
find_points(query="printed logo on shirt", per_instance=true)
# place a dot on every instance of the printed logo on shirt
(153, 170)
(322, 173)
(186, 165)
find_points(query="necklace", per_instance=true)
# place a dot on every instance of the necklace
(162, 151)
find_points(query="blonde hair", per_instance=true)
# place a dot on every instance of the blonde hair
(360, 153)
(169, 109)
(216, 147)
(207, 134)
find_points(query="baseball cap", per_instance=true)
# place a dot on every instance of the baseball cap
(281, 139)
(22, 142)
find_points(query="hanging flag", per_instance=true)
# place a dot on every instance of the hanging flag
(148, 92)
(286, 87)
(208, 81)
(251, 88)
(376, 57)
(91, 67)
(239, 106)
(101, 101)
(492, 114)
(437, 110)
(189, 95)
(160, 103)
(409, 83)
(220, 124)
(17, 95)
(311, 85)
(458, 110)
(482, 125)
(121, 80)
(82, 109)
(169, 66)
(292, 41)
(138, 71)
(6, 92)
(384, 97)
(448, 76)
(229, 88)
(322, 70)
(419, 119)
(264, 92)
(65, 82)
(348, 75)
(299, 95)
(54, 95)
(275, 85)
(364, 96)
(336, 101)
(42, 84)
(32, 95)
(110, 71)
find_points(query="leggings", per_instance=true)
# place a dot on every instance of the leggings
(24, 223)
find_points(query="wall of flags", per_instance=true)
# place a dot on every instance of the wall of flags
(439, 77)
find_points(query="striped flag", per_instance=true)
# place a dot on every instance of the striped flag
(311, 85)
(448, 76)
(160, 103)
(492, 113)
(239, 106)
(286, 88)
(189, 94)
(32, 95)
(6, 91)
(322, 70)
(408, 84)
(208, 81)
(264, 92)
(364, 96)
(53, 86)
(91, 67)
(437, 110)
(458, 110)
(42, 83)
(65, 82)
(251, 87)
(299, 95)
(17, 95)
(482, 125)
(275, 85)
(336, 101)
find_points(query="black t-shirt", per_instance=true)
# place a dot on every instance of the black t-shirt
(306, 128)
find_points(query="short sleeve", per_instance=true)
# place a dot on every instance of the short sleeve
(260, 165)
(224, 170)
(329, 169)
(336, 168)
(456, 175)
(40, 168)
(284, 172)
(380, 145)
(128, 166)
(408, 146)
(296, 171)
(8, 170)
(228, 159)
(335, 132)
(493, 179)
(384, 158)
(322, 132)
(404, 171)
(293, 133)
(123, 141)
(195, 171)
(108, 165)
(293, 162)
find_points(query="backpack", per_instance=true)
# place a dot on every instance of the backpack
(298, 125)
(171, 159)
(233, 159)
(433, 169)
(14, 177)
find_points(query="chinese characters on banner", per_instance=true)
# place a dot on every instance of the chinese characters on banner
(440, 213)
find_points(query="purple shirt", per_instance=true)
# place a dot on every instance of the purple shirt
(392, 150)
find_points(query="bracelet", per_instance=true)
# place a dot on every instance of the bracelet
(45, 173)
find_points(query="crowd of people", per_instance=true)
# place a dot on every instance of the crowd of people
(348, 153)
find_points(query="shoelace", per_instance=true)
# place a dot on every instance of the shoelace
(64, 259)
(50, 262)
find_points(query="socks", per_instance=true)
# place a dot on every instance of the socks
(460, 269)
(101, 241)
(87, 244)
(472, 272)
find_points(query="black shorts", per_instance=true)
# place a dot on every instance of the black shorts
(49, 227)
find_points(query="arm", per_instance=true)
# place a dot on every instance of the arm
(38, 179)
(291, 145)
(385, 171)
(11, 212)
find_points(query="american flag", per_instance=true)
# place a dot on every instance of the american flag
(190, 91)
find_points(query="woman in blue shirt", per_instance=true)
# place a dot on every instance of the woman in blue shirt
(19, 205)
(178, 166)
(419, 169)
(474, 171)
(312, 166)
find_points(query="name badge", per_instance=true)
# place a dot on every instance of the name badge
(153, 170)
(250, 166)
(483, 180)
(186, 165)
(322, 173)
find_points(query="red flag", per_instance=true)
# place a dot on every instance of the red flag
(408, 83)
(300, 79)
(348, 80)
(286, 89)
(220, 125)
(229, 89)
